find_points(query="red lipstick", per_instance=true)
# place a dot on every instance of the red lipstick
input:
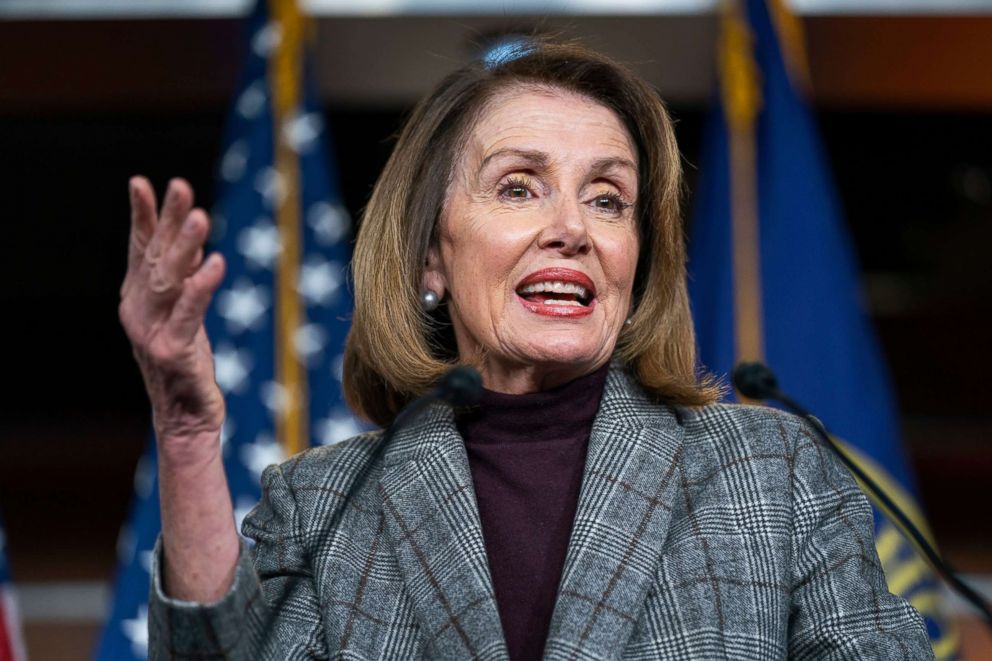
(542, 305)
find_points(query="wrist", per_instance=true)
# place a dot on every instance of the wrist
(187, 449)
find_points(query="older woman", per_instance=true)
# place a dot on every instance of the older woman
(595, 504)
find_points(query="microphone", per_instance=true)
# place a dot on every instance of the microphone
(756, 381)
(460, 386)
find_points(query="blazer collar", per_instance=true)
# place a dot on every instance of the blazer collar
(432, 522)
(624, 509)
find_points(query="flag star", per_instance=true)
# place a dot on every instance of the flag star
(319, 281)
(243, 305)
(301, 131)
(329, 222)
(231, 368)
(261, 244)
(266, 39)
(309, 341)
(251, 102)
(234, 161)
(336, 428)
(275, 396)
(261, 454)
(136, 630)
(272, 186)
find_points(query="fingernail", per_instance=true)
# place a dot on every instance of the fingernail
(132, 189)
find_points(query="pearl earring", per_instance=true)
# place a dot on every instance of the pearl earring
(429, 300)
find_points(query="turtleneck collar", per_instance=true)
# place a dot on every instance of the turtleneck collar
(562, 412)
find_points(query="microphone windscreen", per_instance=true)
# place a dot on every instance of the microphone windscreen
(755, 380)
(461, 386)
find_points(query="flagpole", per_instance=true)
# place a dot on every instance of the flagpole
(742, 101)
(285, 70)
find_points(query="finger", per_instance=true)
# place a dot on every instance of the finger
(198, 289)
(142, 197)
(178, 262)
(143, 218)
(195, 264)
(175, 208)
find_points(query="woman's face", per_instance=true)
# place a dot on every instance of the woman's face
(538, 239)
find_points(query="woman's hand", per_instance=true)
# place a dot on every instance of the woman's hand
(164, 297)
(163, 301)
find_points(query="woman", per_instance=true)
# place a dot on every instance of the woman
(597, 504)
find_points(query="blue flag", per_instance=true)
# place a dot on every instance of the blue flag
(773, 275)
(279, 321)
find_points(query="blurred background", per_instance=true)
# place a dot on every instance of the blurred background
(93, 91)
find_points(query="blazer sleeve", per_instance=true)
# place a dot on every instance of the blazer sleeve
(841, 607)
(271, 610)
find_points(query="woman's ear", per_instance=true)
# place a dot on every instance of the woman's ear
(434, 279)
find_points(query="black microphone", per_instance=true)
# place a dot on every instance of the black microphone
(757, 381)
(460, 386)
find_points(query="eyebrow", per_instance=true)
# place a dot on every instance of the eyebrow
(611, 162)
(540, 160)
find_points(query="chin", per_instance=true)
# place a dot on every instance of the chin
(566, 353)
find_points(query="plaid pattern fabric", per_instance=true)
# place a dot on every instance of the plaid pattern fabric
(725, 532)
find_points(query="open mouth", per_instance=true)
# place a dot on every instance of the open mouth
(556, 292)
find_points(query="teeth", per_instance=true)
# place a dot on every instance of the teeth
(552, 301)
(556, 287)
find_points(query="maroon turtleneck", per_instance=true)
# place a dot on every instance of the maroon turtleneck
(527, 453)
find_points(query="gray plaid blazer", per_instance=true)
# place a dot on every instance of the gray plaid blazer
(724, 532)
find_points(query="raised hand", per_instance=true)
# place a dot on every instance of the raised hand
(164, 297)
(163, 300)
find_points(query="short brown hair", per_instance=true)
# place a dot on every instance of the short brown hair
(395, 351)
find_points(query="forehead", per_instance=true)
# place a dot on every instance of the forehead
(561, 123)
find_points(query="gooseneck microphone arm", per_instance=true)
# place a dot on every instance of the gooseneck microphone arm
(756, 381)
(460, 386)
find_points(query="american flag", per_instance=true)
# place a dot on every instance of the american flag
(279, 321)
(11, 644)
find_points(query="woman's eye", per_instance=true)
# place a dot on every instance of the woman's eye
(516, 189)
(609, 202)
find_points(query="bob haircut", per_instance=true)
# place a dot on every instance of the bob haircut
(395, 351)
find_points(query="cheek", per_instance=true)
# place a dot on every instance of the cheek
(621, 262)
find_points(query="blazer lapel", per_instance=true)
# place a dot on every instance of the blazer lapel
(432, 521)
(621, 524)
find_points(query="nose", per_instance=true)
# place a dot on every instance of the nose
(566, 231)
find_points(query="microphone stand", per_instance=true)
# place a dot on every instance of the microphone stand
(758, 382)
